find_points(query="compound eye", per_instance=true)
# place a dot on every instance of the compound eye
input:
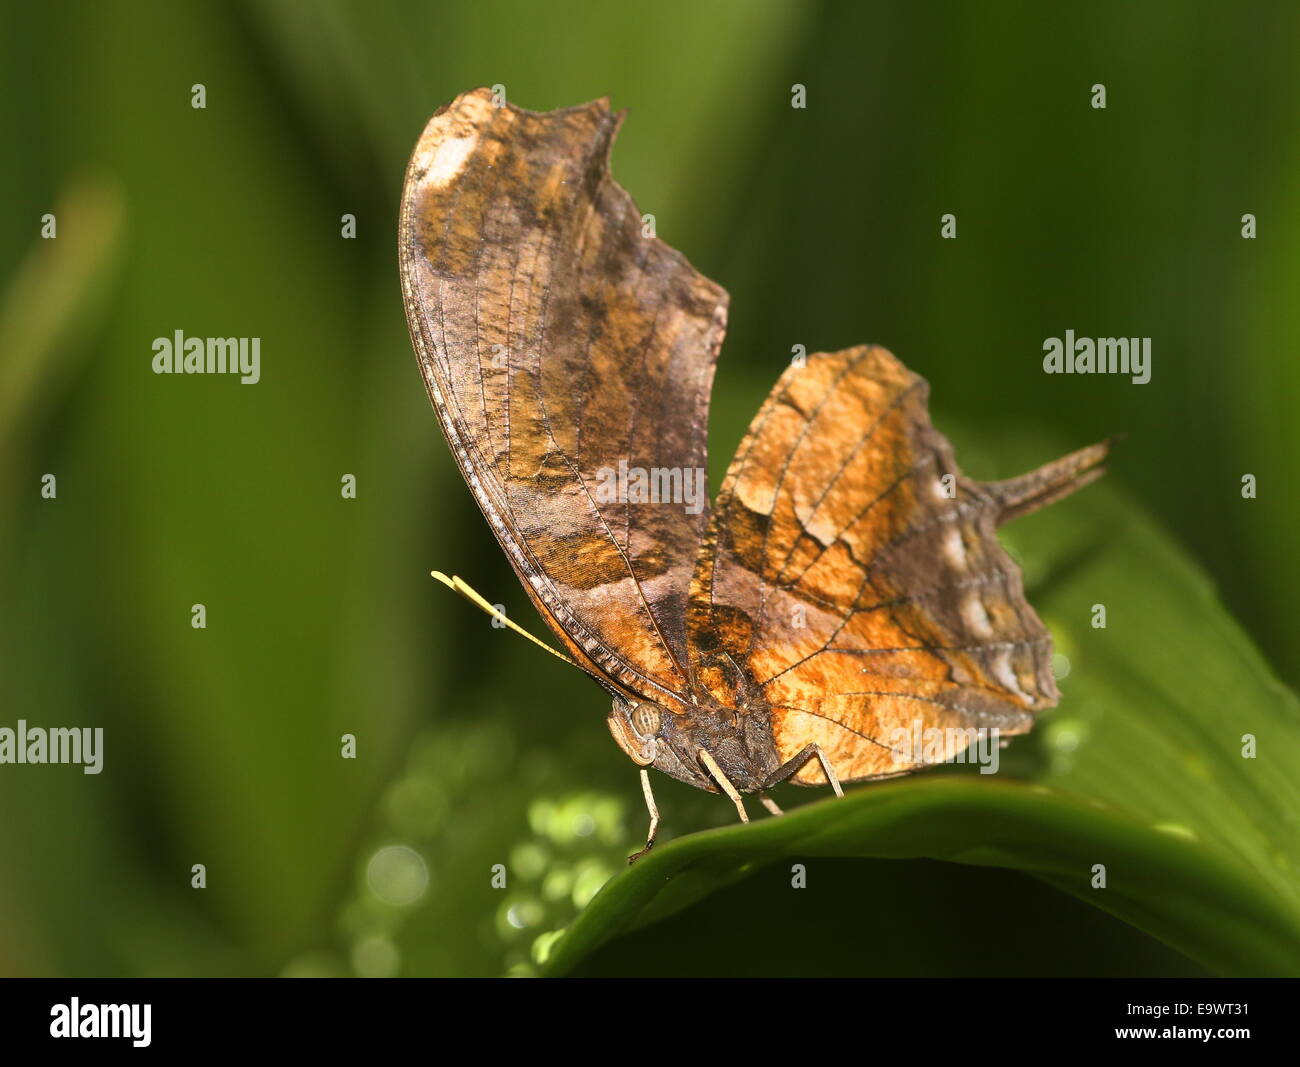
(646, 719)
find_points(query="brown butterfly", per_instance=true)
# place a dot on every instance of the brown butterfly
(847, 588)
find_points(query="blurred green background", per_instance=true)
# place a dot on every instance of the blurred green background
(474, 749)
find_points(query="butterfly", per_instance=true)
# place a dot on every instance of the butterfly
(845, 591)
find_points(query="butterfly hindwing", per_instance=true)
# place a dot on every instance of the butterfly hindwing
(856, 575)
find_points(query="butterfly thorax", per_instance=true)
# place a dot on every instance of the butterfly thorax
(738, 738)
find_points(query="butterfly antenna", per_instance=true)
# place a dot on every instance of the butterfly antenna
(462, 587)
(1050, 482)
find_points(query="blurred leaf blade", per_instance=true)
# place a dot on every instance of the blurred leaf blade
(1192, 900)
(51, 304)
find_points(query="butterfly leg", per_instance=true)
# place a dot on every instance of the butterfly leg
(724, 783)
(794, 763)
(770, 804)
(654, 817)
(828, 770)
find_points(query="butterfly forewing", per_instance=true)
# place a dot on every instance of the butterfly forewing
(565, 349)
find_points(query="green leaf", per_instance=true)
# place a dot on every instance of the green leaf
(1184, 895)
(1141, 769)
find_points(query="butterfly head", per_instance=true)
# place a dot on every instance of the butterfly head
(651, 735)
(671, 741)
(636, 726)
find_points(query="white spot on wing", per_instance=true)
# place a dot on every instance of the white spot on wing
(974, 615)
(451, 139)
(448, 160)
(954, 548)
(1006, 675)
